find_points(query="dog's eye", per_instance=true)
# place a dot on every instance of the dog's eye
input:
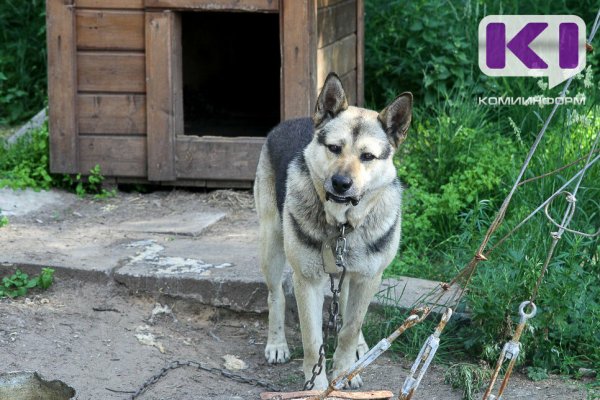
(367, 157)
(334, 148)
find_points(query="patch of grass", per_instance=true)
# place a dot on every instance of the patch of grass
(19, 283)
(3, 221)
(537, 374)
(470, 378)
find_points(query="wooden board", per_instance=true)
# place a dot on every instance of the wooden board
(372, 395)
(110, 30)
(339, 57)
(111, 72)
(349, 83)
(335, 22)
(360, 53)
(165, 96)
(298, 44)
(327, 3)
(117, 156)
(62, 80)
(217, 5)
(111, 114)
(126, 4)
(218, 157)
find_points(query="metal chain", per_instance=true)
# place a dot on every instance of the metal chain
(202, 367)
(333, 322)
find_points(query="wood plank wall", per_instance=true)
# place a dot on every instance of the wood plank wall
(111, 86)
(338, 43)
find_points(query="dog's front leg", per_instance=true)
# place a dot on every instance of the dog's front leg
(360, 292)
(309, 297)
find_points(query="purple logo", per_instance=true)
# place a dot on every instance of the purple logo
(532, 45)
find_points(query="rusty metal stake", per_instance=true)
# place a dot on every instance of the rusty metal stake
(510, 351)
(417, 315)
(424, 359)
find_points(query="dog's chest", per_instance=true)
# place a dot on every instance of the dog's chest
(346, 250)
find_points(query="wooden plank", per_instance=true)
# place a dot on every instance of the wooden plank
(334, 23)
(126, 4)
(360, 53)
(298, 28)
(371, 395)
(116, 155)
(217, 5)
(111, 72)
(217, 157)
(110, 30)
(338, 57)
(111, 113)
(62, 87)
(349, 83)
(328, 3)
(165, 92)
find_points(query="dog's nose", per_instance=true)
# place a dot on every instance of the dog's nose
(341, 183)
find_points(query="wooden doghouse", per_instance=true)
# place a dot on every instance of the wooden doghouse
(184, 91)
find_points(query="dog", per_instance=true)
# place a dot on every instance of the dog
(313, 176)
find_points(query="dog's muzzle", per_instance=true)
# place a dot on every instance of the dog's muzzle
(341, 199)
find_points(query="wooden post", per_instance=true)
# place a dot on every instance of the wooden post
(360, 53)
(62, 86)
(298, 28)
(164, 95)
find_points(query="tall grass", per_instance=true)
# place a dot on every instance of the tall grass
(458, 163)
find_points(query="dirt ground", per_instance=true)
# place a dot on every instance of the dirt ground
(85, 335)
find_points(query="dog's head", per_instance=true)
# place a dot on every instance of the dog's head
(353, 147)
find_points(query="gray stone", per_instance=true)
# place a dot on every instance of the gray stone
(23, 202)
(188, 224)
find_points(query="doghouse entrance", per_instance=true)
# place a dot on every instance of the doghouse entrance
(231, 73)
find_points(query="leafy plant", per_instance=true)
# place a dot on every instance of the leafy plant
(93, 185)
(469, 377)
(19, 283)
(537, 374)
(26, 163)
(22, 59)
(3, 221)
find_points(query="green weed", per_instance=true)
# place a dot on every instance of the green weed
(25, 164)
(19, 283)
(470, 378)
(3, 221)
(93, 185)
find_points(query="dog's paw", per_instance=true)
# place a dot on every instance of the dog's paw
(321, 382)
(354, 383)
(277, 353)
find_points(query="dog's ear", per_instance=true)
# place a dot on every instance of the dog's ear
(395, 118)
(331, 101)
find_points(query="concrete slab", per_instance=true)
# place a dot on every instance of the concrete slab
(172, 244)
(189, 224)
(23, 202)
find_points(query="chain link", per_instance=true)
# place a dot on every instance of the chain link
(202, 367)
(333, 324)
